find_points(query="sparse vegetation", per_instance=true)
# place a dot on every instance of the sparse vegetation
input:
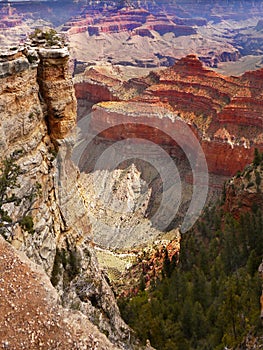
(258, 179)
(36, 33)
(9, 174)
(66, 263)
(31, 58)
(53, 152)
(250, 184)
(248, 175)
(31, 115)
(57, 268)
(50, 36)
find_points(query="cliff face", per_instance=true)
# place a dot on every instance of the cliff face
(170, 108)
(96, 85)
(108, 83)
(37, 115)
(57, 91)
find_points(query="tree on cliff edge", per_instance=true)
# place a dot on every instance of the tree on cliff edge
(9, 173)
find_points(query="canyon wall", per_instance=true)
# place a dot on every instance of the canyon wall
(37, 117)
(180, 109)
(224, 113)
(126, 20)
(144, 35)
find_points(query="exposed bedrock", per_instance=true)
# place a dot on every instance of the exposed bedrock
(225, 113)
(37, 116)
(117, 121)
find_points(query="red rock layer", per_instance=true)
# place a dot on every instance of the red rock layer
(95, 86)
(137, 21)
(163, 27)
(246, 106)
(224, 112)
(222, 159)
(94, 92)
(211, 101)
(122, 20)
(143, 32)
(9, 17)
(81, 23)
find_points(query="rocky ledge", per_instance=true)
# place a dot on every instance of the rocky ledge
(12, 61)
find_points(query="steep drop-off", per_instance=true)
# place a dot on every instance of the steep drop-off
(212, 296)
(37, 115)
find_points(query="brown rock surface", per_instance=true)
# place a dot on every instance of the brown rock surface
(57, 90)
(96, 85)
(30, 314)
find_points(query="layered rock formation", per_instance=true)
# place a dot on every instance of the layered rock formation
(57, 91)
(176, 108)
(146, 29)
(150, 36)
(37, 113)
(97, 85)
(224, 112)
(126, 19)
